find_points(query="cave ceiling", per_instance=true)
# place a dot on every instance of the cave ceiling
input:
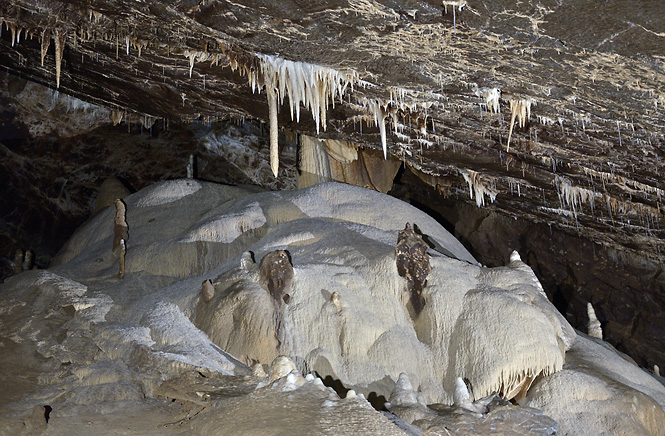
(549, 110)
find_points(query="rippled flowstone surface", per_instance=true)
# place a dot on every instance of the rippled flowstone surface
(228, 297)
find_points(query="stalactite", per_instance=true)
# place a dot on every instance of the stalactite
(46, 41)
(116, 117)
(59, 37)
(478, 187)
(274, 129)
(12, 27)
(491, 97)
(520, 109)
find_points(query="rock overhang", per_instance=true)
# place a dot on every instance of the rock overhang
(508, 105)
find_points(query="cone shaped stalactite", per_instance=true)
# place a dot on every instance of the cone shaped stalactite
(59, 38)
(46, 42)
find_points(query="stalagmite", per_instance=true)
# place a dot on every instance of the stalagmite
(28, 261)
(403, 394)
(120, 229)
(247, 261)
(274, 129)
(413, 264)
(59, 51)
(594, 328)
(276, 275)
(656, 370)
(461, 397)
(17, 264)
(190, 167)
(121, 260)
(207, 291)
(46, 41)
(281, 367)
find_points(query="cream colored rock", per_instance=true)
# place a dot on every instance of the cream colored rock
(593, 326)
(461, 398)
(207, 291)
(600, 392)
(281, 367)
(347, 318)
(110, 190)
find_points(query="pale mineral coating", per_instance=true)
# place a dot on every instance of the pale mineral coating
(453, 335)
(107, 354)
(599, 392)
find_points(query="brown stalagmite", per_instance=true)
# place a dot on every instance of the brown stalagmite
(413, 264)
(276, 273)
(120, 229)
(207, 291)
(46, 42)
(59, 38)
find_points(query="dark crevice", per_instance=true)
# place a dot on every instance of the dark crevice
(377, 401)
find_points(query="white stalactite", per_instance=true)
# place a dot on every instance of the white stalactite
(520, 109)
(381, 121)
(478, 187)
(274, 129)
(491, 97)
(313, 86)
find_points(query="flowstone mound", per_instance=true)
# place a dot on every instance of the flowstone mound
(220, 281)
(599, 392)
(350, 313)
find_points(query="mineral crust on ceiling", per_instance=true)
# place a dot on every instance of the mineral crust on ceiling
(549, 110)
